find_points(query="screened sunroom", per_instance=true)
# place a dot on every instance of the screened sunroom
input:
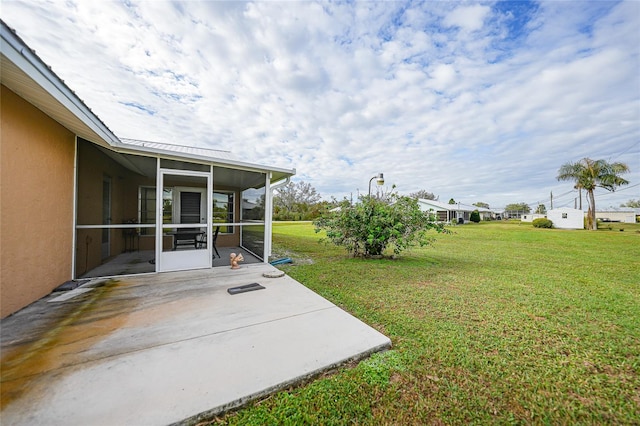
(150, 207)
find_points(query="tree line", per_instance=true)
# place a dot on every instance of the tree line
(301, 201)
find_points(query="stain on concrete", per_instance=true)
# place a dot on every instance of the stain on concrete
(42, 348)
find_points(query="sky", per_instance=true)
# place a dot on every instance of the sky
(475, 101)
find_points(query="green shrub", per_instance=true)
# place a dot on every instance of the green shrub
(368, 227)
(475, 216)
(542, 223)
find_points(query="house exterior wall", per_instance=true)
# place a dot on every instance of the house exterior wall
(36, 200)
(617, 216)
(530, 217)
(445, 214)
(574, 218)
(442, 215)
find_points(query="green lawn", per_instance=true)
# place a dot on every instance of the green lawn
(499, 323)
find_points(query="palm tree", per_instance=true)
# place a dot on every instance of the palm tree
(589, 174)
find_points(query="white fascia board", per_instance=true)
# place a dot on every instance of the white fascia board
(24, 58)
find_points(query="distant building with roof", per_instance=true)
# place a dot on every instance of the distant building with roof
(453, 213)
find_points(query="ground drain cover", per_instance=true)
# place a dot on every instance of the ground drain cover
(245, 288)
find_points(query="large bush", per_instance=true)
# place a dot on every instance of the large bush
(371, 225)
(475, 216)
(542, 222)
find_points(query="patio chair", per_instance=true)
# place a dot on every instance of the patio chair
(202, 242)
(185, 237)
(215, 238)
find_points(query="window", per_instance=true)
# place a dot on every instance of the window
(147, 203)
(223, 210)
(167, 207)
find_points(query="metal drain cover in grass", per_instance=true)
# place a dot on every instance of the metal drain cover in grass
(244, 288)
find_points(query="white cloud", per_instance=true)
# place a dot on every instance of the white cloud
(464, 100)
(468, 18)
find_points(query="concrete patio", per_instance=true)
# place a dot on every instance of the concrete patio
(166, 348)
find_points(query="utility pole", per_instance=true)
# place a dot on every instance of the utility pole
(551, 201)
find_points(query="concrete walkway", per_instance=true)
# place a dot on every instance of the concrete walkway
(165, 348)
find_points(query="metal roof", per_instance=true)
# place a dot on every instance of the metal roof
(182, 149)
(201, 155)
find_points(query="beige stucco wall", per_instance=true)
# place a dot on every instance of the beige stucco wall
(36, 203)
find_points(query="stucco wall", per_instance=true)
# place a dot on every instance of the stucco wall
(530, 217)
(36, 188)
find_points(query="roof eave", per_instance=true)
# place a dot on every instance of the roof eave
(47, 82)
(51, 95)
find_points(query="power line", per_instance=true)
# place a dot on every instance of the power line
(608, 193)
(561, 201)
(625, 151)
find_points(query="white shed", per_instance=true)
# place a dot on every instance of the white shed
(530, 217)
(566, 218)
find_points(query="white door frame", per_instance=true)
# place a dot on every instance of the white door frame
(181, 260)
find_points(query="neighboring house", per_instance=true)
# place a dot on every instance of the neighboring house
(513, 214)
(485, 214)
(625, 216)
(530, 217)
(566, 218)
(454, 213)
(74, 196)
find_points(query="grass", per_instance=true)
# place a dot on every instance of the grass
(499, 323)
